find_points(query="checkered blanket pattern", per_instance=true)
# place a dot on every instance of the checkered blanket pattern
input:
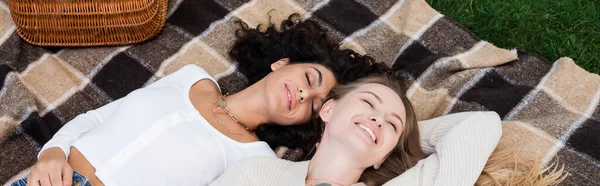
(551, 109)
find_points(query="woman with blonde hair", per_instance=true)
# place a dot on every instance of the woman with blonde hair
(371, 132)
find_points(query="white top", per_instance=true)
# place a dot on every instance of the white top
(460, 145)
(155, 136)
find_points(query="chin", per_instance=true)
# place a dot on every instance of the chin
(358, 147)
(276, 118)
(288, 122)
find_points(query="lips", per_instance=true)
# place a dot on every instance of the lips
(369, 128)
(288, 96)
(369, 132)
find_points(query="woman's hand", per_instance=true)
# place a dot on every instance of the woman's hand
(51, 169)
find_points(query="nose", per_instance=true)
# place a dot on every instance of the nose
(306, 94)
(376, 121)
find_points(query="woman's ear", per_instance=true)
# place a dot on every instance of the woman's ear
(326, 110)
(279, 63)
(378, 164)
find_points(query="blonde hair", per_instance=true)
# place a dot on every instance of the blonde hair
(408, 149)
(505, 168)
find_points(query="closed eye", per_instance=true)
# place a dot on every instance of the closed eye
(371, 105)
(394, 126)
(308, 79)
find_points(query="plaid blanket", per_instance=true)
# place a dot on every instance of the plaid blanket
(549, 109)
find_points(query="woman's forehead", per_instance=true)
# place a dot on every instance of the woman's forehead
(383, 94)
(377, 89)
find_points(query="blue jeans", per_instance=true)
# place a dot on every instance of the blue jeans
(78, 180)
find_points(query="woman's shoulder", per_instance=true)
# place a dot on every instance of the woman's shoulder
(271, 165)
(187, 76)
(193, 72)
(264, 161)
(190, 77)
(264, 171)
(193, 69)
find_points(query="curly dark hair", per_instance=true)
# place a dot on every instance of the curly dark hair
(302, 42)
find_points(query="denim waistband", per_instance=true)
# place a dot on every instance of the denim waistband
(78, 180)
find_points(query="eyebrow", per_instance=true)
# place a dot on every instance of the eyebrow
(396, 115)
(374, 95)
(320, 76)
(381, 101)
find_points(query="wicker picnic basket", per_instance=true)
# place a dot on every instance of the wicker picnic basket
(87, 22)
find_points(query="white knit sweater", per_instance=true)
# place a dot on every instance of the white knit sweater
(460, 145)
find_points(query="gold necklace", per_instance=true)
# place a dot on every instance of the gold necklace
(223, 105)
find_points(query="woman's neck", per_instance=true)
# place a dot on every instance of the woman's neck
(333, 166)
(249, 106)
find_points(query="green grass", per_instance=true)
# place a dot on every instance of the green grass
(551, 28)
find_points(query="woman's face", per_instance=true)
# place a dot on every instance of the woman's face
(366, 122)
(296, 92)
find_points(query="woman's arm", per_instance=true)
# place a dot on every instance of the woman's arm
(461, 143)
(80, 125)
(52, 167)
(83, 123)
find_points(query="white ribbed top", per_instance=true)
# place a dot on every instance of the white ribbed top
(459, 144)
(155, 136)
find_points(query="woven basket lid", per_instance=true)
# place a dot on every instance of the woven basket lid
(87, 23)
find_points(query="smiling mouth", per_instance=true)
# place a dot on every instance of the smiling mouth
(369, 132)
(289, 97)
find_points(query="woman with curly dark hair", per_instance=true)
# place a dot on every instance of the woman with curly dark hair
(301, 44)
(182, 130)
